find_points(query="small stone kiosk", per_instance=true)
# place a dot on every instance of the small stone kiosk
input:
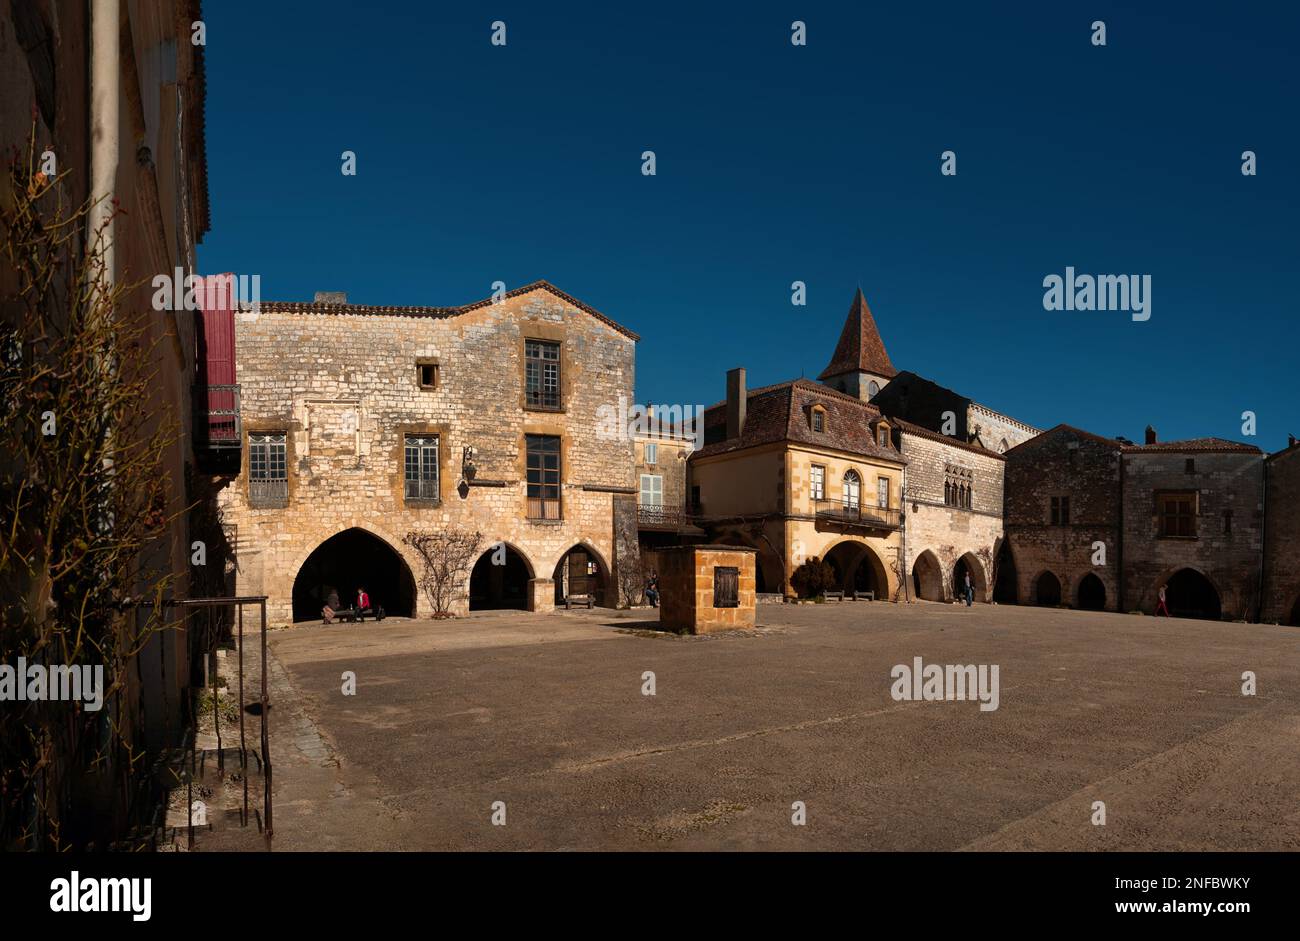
(706, 588)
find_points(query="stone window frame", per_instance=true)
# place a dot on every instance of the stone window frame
(1058, 509)
(1159, 499)
(873, 389)
(281, 427)
(422, 499)
(553, 431)
(544, 333)
(814, 413)
(397, 460)
(650, 450)
(816, 493)
(883, 434)
(958, 486)
(844, 488)
(422, 363)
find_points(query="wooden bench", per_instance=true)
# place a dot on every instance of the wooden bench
(837, 595)
(864, 596)
(586, 601)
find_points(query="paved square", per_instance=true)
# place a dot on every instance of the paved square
(546, 713)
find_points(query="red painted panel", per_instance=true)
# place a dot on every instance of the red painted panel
(216, 355)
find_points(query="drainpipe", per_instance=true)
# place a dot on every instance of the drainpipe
(105, 76)
(1119, 549)
(904, 574)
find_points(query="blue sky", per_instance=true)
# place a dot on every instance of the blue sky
(778, 163)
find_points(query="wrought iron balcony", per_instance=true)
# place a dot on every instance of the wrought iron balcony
(670, 518)
(839, 513)
(268, 494)
(216, 417)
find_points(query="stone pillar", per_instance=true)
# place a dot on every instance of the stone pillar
(541, 595)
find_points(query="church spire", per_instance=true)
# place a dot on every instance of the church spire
(860, 350)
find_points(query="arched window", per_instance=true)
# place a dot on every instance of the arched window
(1002, 448)
(872, 388)
(947, 493)
(852, 490)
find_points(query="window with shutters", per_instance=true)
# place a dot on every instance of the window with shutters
(652, 490)
(726, 586)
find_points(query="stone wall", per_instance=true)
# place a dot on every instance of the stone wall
(1281, 601)
(949, 532)
(1228, 554)
(686, 582)
(343, 383)
(1086, 468)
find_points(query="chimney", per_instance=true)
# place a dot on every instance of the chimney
(1151, 435)
(736, 402)
(331, 297)
(1290, 441)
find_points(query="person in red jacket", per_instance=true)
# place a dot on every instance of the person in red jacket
(1162, 606)
(364, 607)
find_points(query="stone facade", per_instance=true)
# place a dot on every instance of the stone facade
(1281, 601)
(1049, 557)
(346, 384)
(919, 400)
(689, 580)
(954, 514)
(1092, 522)
(1225, 549)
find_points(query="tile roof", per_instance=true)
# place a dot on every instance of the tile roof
(860, 348)
(1195, 444)
(922, 432)
(780, 413)
(308, 307)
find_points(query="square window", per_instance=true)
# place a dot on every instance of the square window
(427, 375)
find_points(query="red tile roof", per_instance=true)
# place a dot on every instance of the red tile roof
(306, 307)
(860, 348)
(780, 413)
(1196, 444)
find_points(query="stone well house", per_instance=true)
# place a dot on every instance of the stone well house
(362, 423)
(799, 470)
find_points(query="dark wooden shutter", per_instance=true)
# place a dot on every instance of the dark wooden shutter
(726, 587)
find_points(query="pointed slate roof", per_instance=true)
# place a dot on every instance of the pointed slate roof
(860, 348)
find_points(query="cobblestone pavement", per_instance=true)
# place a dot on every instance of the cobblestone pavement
(546, 715)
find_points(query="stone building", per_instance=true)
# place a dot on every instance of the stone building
(1281, 598)
(363, 423)
(1062, 499)
(665, 508)
(1103, 523)
(114, 94)
(798, 470)
(1193, 523)
(953, 524)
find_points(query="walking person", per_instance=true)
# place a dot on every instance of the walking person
(1161, 606)
(970, 591)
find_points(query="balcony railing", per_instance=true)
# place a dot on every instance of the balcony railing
(540, 508)
(268, 494)
(846, 514)
(216, 417)
(421, 489)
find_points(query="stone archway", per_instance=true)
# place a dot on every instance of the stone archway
(858, 568)
(1190, 594)
(979, 580)
(581, 571)
(1091, 593)
(500, 579)
(1047, 590)
(1294, 620)
(346, 562)
(1006, 588)
(927, 577)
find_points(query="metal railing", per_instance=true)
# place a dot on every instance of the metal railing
(268, 494)
(875, 517)
(421, 489)
(216, 417)
(651, 514)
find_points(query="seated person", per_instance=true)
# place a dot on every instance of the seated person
(365, 607)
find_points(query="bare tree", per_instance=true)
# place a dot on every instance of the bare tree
(84, 500)
(631, 580)
(445, 557)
